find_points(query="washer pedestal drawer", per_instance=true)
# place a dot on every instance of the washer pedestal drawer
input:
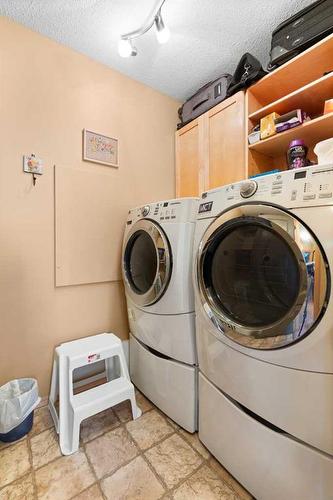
(270, 464)
(170, 385)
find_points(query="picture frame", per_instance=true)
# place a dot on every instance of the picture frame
(100, 148)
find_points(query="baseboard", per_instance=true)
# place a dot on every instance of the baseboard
(126, 350)
(43, 401)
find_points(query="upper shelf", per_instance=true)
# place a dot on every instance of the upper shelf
(310, 98)
(308, 66)
(312, 132)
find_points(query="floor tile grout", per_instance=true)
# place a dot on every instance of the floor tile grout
(178, 485)
(158, 477)
(96, 483)
(142, 452)
(174, 488)
(174, 430)
(105, 432)
(32, 466)
(33, 469)
(205, 461)
(93, 470)
(29, 471)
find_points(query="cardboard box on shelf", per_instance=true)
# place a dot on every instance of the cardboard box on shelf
(267, 125)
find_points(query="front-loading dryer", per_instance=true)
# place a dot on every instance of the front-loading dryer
(262, 274)
(157, 266)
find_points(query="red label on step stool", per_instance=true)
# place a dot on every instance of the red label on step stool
(93, 357)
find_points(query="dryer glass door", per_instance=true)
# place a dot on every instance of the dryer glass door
(262, 276)
(142, 262)
(146, 262)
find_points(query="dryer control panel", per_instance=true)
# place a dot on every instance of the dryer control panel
(310, 186)
(168, 211)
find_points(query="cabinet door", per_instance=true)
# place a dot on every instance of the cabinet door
(189, 174)
(226, 142)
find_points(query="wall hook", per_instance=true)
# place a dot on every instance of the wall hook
(33, 166)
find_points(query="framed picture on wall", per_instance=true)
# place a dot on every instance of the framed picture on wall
(100, 148)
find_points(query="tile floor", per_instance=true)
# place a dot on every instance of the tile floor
(119, 459)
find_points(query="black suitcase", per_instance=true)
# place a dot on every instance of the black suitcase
(248, 71)
(300, 32)
(205, 98)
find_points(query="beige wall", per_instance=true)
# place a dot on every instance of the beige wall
(48, 94)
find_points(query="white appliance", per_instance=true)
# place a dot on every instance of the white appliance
(263, 258)
(157, 272)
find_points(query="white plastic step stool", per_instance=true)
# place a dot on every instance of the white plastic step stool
(73, 408)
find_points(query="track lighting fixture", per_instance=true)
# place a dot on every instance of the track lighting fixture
(125, 44)
(125, 48)
(162, 31)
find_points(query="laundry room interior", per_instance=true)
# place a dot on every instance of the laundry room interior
(166, 203)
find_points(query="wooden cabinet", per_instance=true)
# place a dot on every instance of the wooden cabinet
(226, 142)
(188, 159)
(213, 149)
(210, 151)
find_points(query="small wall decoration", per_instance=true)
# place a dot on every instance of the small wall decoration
(100, 148)
(32, 165)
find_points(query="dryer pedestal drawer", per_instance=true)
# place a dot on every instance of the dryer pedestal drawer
(170, 385)
(270, 464)
(171, 334)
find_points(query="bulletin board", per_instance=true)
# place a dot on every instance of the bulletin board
(89, 222)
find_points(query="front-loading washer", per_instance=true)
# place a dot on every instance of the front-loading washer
(157, 265)
(262, 274)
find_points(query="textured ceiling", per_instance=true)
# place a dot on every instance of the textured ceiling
(208, 37)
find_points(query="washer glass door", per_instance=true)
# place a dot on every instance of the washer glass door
(146, 262)
(262, 276)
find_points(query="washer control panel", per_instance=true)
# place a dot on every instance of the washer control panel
(310, 186)
(166, 210)
(306, 185)
(178, 210)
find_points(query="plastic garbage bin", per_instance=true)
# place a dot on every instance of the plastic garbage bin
(18, 399)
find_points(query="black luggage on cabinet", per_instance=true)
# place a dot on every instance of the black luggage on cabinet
(205, 98)
(248, 71)
(300, 32)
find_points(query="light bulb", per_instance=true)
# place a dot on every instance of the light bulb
(163, 35)
(162, 31)
(125, 48)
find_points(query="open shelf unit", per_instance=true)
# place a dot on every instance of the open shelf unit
(312, 131)
(305, 82)
(310, 98)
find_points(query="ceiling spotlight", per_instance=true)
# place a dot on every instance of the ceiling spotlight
(162, 31)
(125, 48)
